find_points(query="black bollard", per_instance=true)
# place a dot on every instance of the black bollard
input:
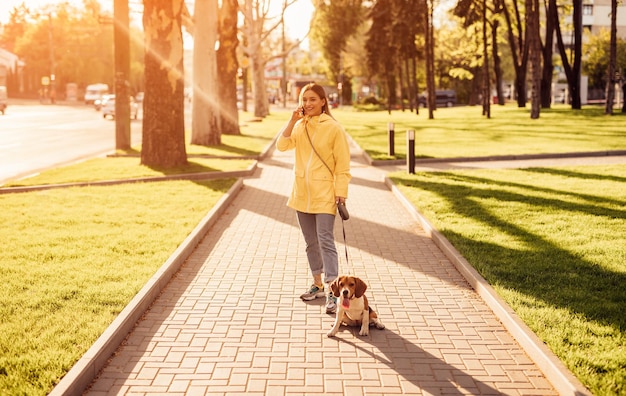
(410, 150)
(391, 134)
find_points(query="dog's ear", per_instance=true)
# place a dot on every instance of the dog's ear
(334, 287)
(359, 288)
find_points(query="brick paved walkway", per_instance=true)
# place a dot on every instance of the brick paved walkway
(230, 322)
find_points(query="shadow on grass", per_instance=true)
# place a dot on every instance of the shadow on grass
(577, 175)
(191, 167)
(543, 269)
(223, 149)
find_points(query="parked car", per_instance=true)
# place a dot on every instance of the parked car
(98, 103)
(3, 99)
(443, 98)
(108, 108)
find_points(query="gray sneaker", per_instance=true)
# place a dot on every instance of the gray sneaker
(331, 303)
(313, 293)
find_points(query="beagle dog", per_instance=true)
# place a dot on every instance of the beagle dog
(352, 306)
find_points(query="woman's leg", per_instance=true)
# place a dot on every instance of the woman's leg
(308, 227)
(326, 237)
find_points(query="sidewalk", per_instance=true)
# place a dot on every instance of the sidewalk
(230, 321)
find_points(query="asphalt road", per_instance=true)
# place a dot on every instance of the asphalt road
(34, 137)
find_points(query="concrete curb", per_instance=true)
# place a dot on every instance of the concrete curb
(555, 371)
(89, 365)
(188, 176)
(607, 153)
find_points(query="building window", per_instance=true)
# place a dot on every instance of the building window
(587, 9)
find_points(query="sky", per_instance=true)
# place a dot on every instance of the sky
(298, 15)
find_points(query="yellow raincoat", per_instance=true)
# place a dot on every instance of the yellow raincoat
(315, 188)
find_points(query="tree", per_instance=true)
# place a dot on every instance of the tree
(430, 57)
(519, 48)
(392, 50)
(534, 48)
(227, 68)
(381, 52)
(497, 59)
(15, 27)
(486, 82)
(597, 54)
(205, 113)
(611, 71)
(548, 65)
(256, 33)
(79, 41)
(163, 143)
(572, 72)
(122, 74)
(334, 22)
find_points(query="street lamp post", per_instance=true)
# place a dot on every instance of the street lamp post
(52, 92)
(122, 71)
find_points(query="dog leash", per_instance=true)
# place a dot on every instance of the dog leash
(345, 245)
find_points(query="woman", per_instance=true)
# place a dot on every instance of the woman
(322, 174)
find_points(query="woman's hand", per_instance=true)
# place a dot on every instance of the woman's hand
(297, 114)
(340, 200)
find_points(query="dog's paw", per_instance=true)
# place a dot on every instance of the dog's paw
(364, 331)
(380, 326)
(331, 333)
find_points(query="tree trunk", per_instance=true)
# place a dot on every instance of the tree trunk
(611, 80)
(261, 104)
(486, 85)
(430, 61)
(401, 84)
(122, 74)
(205, 128)
(497, 63)
(414, 83)
(548, 65)
(227, 68)
(578, 53)
(163, 142)
(519, 51)
(534, 46)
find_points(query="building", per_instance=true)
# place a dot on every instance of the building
(597, 16)
(10, 67)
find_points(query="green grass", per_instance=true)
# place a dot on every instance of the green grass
(67, 270)
(464, 132)
(551, 242)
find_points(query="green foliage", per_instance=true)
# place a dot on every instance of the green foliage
(72, 42)
(333, 23)
(596, 53)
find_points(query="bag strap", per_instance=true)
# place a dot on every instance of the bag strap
(315, 151)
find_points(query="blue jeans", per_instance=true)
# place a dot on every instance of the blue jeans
(319, 235)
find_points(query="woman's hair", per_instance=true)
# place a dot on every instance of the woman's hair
(319, 90)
